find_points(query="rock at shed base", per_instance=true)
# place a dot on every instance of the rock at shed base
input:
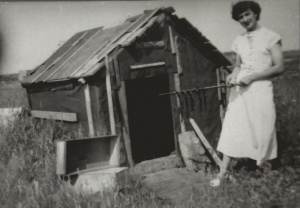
(101, 180)
(192, 151)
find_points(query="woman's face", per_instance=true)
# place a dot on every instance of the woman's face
(248, 20)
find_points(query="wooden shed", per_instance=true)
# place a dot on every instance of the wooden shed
(107, 81)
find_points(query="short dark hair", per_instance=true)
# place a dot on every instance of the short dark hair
(242, 6)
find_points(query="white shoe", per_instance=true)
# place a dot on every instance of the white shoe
(223, 175)
(216, 181)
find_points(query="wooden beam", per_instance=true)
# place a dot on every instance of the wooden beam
(211, 151)
(61, 157)
(220, 96)
(125, 123)
(88, 170)
(224, 92)
(62, 116)
(177, 84)
(178, 61)
(150, 44)
(172, 42)
(109, 97)
(117, 71)
(88, 106)
(177, 88)
(142, 66)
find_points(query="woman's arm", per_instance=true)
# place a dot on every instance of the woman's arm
(276, 69)
(231, 79)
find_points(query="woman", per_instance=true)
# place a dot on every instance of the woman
(249, 124)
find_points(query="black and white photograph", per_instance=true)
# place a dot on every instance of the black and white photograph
(150, 104)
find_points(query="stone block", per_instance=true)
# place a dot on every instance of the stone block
(101, 180)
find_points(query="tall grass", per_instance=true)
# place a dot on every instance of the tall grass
(287, 99)
(28, 178)
(12, 96)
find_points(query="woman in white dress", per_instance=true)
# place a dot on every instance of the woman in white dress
(249, 125)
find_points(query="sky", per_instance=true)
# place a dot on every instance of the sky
(31, 31)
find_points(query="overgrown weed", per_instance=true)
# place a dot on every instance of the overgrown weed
(28, 178)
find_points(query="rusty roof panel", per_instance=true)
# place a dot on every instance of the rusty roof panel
(67, 57)
(74, 40)
(55, 56)
(87, 51)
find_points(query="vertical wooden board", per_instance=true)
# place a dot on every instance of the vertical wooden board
(89, 109)
(109, 97)
(115, 149)
(224, 91)
(175, 114)
(220, 95)
(211, 151)
(61, 153)
(116, 66)
(125, 123)
(177, 88)
(172, 42)
(178, 58)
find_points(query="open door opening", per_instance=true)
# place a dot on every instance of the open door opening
(150, 118)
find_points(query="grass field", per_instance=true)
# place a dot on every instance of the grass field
(27, 163)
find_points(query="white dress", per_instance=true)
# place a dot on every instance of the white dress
(249, 124)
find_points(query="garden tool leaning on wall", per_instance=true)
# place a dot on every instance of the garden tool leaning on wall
(191, 149)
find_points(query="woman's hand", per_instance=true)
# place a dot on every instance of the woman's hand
(231, 79)
(246, 80)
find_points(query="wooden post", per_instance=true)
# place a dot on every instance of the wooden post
(115, 154)
(177, 88)
(172, 42)
(224, 91)
(117, 71)
(88, 105)
(177, 83)
(143, 66)
(220, 96)
(62, 116)
(109, 97)
(61, 153)
(125, 123)
(179, 67)
(211, 151)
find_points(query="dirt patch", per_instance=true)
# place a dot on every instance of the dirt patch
(176, 185)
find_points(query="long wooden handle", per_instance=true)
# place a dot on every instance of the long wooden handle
(197, 89)
(206, 144)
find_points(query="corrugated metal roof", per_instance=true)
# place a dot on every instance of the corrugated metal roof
(82, 54)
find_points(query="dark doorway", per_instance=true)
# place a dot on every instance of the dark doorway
(150, 118)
